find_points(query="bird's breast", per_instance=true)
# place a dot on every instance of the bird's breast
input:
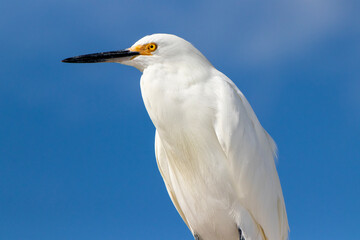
(183, 110)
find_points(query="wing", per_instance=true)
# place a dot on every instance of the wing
(162, 162)
(250, 155)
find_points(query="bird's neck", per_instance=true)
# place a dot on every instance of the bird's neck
(175, 96)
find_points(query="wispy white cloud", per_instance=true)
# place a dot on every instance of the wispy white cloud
(265, 32)
(287, 28)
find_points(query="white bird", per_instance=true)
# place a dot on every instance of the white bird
(216, 159)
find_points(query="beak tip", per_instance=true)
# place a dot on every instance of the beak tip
(68, 60)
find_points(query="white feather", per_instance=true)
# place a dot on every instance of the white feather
(216, 160)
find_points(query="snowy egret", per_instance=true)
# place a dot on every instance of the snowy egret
(216, 159)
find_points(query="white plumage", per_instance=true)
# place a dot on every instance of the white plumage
(216, 159)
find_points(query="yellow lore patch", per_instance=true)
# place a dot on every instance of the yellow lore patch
(146, 49)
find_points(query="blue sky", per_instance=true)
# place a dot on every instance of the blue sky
(76, 145)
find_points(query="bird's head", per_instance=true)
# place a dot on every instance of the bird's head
(149, 50)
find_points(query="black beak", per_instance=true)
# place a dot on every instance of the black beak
(101, 57)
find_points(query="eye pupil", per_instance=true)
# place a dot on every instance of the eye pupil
(152, 47)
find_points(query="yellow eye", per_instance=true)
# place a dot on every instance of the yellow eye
(152, 47)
